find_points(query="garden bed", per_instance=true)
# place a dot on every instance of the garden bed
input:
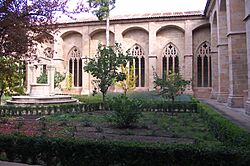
(202, 138)
(178, 128)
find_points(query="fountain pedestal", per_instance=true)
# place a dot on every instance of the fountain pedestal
(40, 90)
(41, 94)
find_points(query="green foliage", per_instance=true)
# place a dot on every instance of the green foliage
(104, 67)
(170, 87)
(58, 78)
(125, 111)
(129, 83)
(43, 78)
(11, 76)
(88, 99)
(101, 7)
(54, 151)
(223, 129)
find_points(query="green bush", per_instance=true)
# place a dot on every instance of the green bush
(58, 78)
(223, 129)
(125, 111)
(43, 78)
(53, 151)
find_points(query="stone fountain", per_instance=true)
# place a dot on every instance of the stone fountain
(41, 93)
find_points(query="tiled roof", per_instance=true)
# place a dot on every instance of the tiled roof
(90, 17)
(153, 15)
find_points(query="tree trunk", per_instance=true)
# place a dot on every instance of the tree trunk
(103, 98)
(107, 30)
(1, 94)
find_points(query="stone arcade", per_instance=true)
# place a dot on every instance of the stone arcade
(210, 47)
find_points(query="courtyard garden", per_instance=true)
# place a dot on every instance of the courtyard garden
(147, 130)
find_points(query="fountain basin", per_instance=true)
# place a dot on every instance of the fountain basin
(33, 100)
(40, 95)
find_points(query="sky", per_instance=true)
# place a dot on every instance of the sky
(155, 6)
(147, 6)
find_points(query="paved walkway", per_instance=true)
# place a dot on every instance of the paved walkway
(3, 163)
(236, 115)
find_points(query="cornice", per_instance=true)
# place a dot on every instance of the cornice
(131, 20)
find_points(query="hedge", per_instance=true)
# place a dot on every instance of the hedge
(52, 151)
(223, 129)
(58, 151)
(12, 110)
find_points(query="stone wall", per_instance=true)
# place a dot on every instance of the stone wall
(225, 25)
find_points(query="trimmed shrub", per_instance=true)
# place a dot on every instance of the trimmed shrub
(125, 111)
(55, 151)
(223, 129)
(51, 151)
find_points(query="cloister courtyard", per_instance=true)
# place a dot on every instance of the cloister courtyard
(161, 89)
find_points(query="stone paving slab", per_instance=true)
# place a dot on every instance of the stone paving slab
(236, 115)
(4, 163)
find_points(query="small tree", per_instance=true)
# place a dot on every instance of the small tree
(69, 81)
(102, 9)
(104, 67)
(129, 83)
(171, 86)
(58, 78)
(11, 76)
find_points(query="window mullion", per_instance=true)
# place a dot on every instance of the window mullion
(139, 73)
(202, 71)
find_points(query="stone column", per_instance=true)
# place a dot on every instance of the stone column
(152, 57)
(58, 59)
(85, 79)
(33, 74)
(85, 76)
(51, 74)
(214, 57)
(247, 20)
(188, 57)
(237, 53)
(223, 73)
(31, 77)
(223, 66)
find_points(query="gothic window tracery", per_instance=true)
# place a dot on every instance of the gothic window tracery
(75, 66)
(170, 60)
(139, 65)
(48, 52)
(204, 65)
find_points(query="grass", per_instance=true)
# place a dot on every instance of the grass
(5, 98)
(158, 124)
(148, 96)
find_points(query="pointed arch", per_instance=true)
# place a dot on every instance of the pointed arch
(74, 52)
(75, 65)
(204, 65)
(139, 64)
(170, 59)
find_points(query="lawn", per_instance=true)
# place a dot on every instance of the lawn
(183, 128)
(155, 127)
